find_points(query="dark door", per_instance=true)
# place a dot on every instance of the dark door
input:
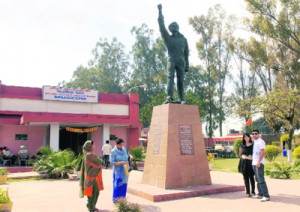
(71, 140)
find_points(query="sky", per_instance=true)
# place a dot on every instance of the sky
(42, 42)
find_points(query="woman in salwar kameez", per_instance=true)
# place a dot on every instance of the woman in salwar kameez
(91, 176)
(119, 159)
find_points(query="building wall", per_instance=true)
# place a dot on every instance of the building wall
(36, 137)
(97, 138)
(32, 105)
(23, 109)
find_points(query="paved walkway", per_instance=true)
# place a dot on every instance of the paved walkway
(63, 196)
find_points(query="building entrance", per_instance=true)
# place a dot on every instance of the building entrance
(72, 140)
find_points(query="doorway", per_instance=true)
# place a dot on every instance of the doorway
(72, 140)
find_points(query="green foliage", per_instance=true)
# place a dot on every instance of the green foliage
(237, 144)
(296, 153)
(122, 205)
(3, 171)
(276, 143)
(107, 71)
(286, 137)
(57, 164)
(46, 151)
(149, 63)
(147, 109)
(271, 152)
(282, 170)
(4, 197)
(215, 30)
(210, 158)
(138, 153)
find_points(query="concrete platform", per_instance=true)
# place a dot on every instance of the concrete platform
(157, 194)
(63, 196)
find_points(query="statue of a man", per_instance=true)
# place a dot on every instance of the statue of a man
(178, 52)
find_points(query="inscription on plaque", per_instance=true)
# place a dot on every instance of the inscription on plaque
(186, 139)
(156, 140)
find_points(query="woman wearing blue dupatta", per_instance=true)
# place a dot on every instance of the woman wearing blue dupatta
(119, 159)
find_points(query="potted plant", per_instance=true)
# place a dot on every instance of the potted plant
(3, 176)
(5, 202)
(138, 154)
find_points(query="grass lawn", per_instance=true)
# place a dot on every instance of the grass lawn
(231, 165)
(226, 164)
(26, 179)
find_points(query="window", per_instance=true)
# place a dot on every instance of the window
(21, 137)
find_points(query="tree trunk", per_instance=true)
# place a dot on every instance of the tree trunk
(291, 133)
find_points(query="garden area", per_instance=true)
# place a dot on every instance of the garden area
(276, 162)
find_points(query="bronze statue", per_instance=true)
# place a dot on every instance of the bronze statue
(178, 52)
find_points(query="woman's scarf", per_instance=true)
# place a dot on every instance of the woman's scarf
(90, 171)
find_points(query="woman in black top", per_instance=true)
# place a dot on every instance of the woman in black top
(245, 165)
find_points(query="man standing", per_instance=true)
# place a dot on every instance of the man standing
(258, 164)
(106, 150)
(178, 53)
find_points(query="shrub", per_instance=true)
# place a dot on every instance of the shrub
(122, 205)
(4, 197)
(296, 153)
(271, 152)
(276, 143)
(138, 153)
(237, 144)
(57, 164)
(3, 171)
(210, 158)
(282, 170)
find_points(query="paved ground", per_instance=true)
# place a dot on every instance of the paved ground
(63, 196)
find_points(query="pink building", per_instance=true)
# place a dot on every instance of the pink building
(64, 118)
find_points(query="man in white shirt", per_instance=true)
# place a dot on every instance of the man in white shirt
(258, 163)
(106, 150)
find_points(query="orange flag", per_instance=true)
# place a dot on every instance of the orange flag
(249, 122)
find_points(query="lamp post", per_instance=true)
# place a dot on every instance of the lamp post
(138, 86)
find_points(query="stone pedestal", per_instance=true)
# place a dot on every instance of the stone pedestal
(176, 156)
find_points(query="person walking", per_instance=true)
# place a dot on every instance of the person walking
(119, 159)
(245, 165)
(91, 176)
(258, 164)
(106, 150)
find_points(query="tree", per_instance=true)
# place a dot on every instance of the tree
(149, 63)
(245, 84)
(107, 71)
(282, 106)
(147, 109)
(216, 31)
(279, 21)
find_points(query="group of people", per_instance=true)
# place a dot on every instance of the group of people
(6, 155)
(252, 164)
(91, 182)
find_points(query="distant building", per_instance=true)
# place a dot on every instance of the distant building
(65, 118)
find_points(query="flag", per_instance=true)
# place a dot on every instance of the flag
(249, 122)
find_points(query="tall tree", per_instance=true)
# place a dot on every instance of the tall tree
(107, 71)
(149, 63)
(216, 31)
(281, 105)
(279, 20)
(245, 83)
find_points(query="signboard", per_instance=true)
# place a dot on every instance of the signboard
(156, 140)
(186, 139)
(69, 94)
(81, 130)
